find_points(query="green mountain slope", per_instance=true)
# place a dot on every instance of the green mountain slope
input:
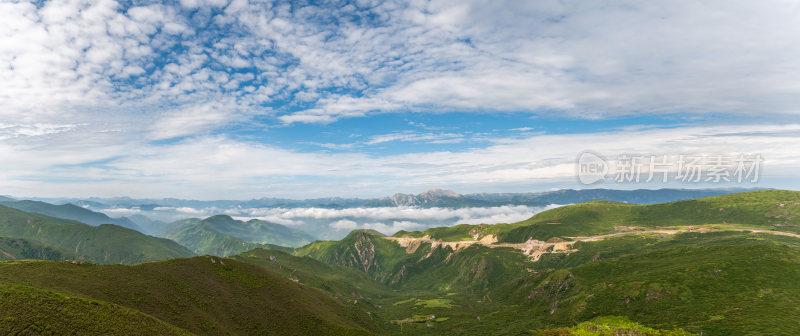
(765, 209)
(721, 283)
(29, 311)
(204, 295)
(653, 277)
(223, 236)
(175, 226)
(720, 279)
(345, 283)
(610, 325)
(420, 266)
(72, 212)
(147, 225)
(20, 249)
(102, 244)
(365, 250)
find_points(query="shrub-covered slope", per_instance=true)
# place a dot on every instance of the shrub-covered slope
(223, 236)
(20, 249)
(204, 295)
(72, 212)
(106, 243)
(29, 311)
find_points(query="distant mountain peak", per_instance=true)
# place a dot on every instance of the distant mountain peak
(435, 192)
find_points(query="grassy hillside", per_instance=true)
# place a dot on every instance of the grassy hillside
(720, 283)
(421, 267)
(203, 295)
(714, 282)
(344, 283)
(29, 311)
(765, 209)
(610, 325)
(72, 212)
(202, 241)
(175, 226)
(365, 250)
(102, 244)
(768, 209)
(455, 233)
(20, 249)
(223, 236)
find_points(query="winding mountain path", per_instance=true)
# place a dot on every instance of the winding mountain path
(536, 248)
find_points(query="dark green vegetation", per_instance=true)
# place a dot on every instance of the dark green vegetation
(29, 311)
(365, 250)
(223, 236)
(344, 283)
(772, 209)
(19, 249)
(715, 282)
(720, 283)
(106, 243)
(656, 278)
(70, 211)
(203, 295)
(420, 266)
(610, 325)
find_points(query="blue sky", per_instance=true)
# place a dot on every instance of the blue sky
(242, 99)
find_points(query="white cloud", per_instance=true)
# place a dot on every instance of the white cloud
(191, 120)
(121, 212)
(501, 214)
(409, 136)
(390, 229)
(219, 167)
(582, 59)
(187, 210)
(124, 76)
(344, 224)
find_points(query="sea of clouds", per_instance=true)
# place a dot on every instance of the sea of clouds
(328, 223)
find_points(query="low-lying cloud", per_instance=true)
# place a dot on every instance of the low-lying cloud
(328, 223)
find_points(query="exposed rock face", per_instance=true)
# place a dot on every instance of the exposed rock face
(360, 255)
(436, 193)
(553, 289)
(429, 197)
(403, 199)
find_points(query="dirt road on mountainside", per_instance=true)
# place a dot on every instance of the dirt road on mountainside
(536, 248)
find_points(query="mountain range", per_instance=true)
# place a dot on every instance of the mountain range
(222, 235)
(70, 211)
(106, 243)
(426, 199)
(721, 265)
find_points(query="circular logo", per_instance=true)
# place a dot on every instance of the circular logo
(591, 168)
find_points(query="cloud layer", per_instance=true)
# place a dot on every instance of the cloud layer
(219, 167)
(335, 223)
(318, 63)
(153, 98)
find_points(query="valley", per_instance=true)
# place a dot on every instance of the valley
(400, 167)
(591, 265)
